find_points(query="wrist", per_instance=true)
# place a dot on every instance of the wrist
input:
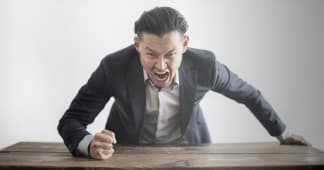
(284, 135)
(84, 145)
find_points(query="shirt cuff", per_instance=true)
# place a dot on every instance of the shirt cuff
(84, 145)
(285, 134)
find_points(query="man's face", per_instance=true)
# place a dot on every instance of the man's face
(161, 56)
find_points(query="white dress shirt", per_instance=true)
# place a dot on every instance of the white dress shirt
(162, 117)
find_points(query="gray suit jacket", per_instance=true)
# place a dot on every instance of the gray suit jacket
(120, 75)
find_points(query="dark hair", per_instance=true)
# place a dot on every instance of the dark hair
(161, 20)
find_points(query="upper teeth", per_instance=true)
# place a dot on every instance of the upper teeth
(160, 72)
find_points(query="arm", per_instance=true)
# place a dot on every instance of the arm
(230, 85)
(89, 101)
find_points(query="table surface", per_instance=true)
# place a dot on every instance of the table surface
(45, 155)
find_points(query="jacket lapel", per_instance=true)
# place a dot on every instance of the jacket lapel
(137, 94)
(136, 91)
(187, 80)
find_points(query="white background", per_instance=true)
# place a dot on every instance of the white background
(49, 48)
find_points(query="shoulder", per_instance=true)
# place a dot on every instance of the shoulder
(199, 54)
(203, 62)
(121, 58)
(199, 59)
(122, 55)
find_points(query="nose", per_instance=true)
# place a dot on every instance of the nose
(161, 64)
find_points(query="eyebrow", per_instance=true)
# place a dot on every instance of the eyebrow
(151, 50)
(148, 48)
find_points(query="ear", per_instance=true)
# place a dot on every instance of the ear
(136, 43)
(185, 43)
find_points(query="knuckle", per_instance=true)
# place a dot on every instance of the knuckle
(106, 146)
(108, 132)
(110, 145)
(95, 144)
(98, 152)
(97, 136)
(112, 133)
(110, 140)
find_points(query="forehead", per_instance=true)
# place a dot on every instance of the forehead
(166, 42)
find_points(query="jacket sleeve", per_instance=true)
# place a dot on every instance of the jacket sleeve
(229, 84)
(89, 101)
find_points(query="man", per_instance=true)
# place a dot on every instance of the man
(157, 84)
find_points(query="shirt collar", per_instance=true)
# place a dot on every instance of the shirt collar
(175, 81)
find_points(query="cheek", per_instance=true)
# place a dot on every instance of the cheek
(175, 64)
(147, 64)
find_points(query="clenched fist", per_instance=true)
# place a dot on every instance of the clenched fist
(101, 146)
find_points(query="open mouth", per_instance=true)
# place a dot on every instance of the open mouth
(161, 76)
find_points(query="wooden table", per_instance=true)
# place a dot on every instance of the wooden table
(33, 155)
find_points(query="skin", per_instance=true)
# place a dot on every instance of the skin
(159, 56)
(101, 146)
(294, 139)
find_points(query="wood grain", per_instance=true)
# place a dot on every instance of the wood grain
(36, 155)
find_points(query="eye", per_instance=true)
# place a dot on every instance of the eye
(150, 55)
(170, 55)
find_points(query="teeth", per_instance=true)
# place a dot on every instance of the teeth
(161, 72)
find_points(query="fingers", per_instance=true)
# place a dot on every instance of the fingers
(101, 146)
(307, 143)
(105, 136)
(111, 134)
(102, 154)
(301, 140)
(296, 140)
